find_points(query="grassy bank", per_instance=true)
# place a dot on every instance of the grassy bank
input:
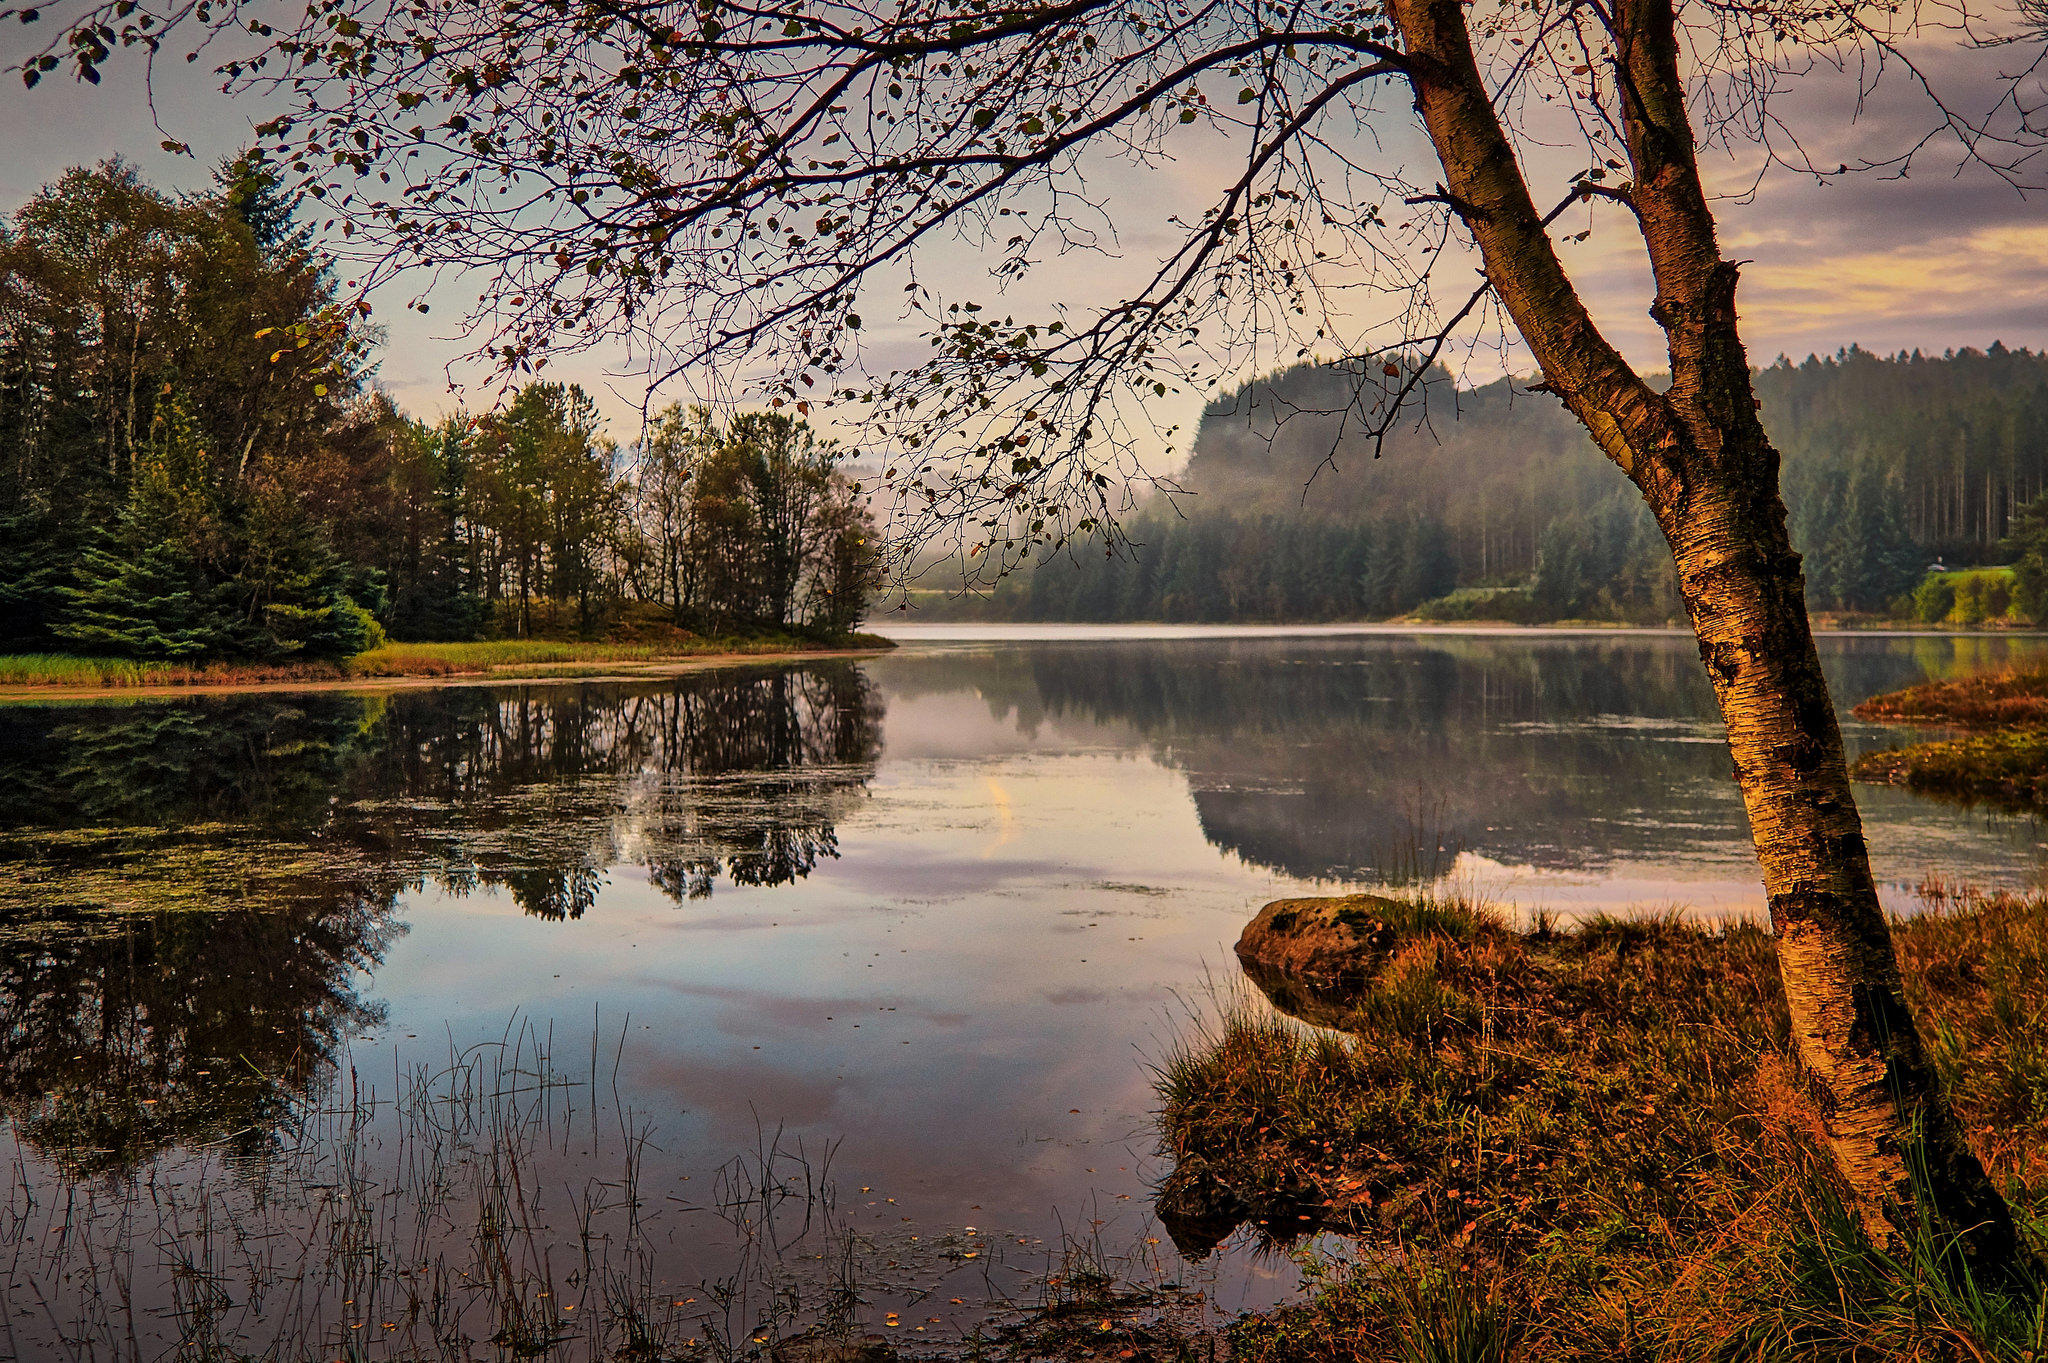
(1592, 1145)
(2003, 698)
(2007, 768)
(2006, 764)
(480, 658)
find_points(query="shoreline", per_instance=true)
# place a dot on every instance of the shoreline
(916, 631)
(1994, 752)
(504, 675)
(909, 633)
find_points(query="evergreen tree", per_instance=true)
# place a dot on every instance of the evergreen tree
(251, 193)
(438, 599)
(2027, 547)
(1869, 559)
(35, 565)
(185, 574)
(151, 601)
(1137, 585)
(1562, 581)
(1379, 583)
(1815, 515)
(1427, 568)
(290, 589)
(146, 592)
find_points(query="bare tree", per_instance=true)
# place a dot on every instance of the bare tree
(731, 183)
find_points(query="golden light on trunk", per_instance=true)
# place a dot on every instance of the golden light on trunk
(1699, 454)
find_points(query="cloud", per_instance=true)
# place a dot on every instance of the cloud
(1959, 288)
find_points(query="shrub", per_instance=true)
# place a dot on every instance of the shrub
(1934, 597)
(1968, 603)
(1517, 605)
(1998, 594)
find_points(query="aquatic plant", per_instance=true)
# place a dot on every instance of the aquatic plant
(2007, 769)
(2000, 696)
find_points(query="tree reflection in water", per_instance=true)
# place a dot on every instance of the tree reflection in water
(179, 1029)
(540, 789)
(1382, 759)
(192, 893)
(1383, 766)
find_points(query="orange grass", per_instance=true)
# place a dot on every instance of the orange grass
(2009, 696)
(1593, 1144)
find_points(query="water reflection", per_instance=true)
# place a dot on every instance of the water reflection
(741, 778)
(1398, 760)
(195, 892)
(263, 801)
(179, 1029)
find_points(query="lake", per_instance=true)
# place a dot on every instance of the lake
(759, 996)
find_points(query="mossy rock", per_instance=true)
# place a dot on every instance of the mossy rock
(1347, 937)
(1314, 957)
(1197, 1210)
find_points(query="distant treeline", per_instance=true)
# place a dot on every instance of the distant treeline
(1496, 506)
(1606, 562)
(1217, 568)
(194, 464)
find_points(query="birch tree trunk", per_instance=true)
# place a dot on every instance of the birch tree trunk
(1700, 457)
(1893, 1135)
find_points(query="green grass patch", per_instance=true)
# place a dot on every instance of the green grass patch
(442, 660)
(479, 658)
(67, 669)
(2008, 768)
(1513, 605)
(63, 669)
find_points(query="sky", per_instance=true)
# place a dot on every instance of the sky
(1943, 257)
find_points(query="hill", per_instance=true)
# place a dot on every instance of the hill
(1491, 502)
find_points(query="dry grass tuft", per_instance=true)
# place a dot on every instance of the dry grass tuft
(2009, 696)
(1592, 1144)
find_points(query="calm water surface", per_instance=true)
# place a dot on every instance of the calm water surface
(931, 916)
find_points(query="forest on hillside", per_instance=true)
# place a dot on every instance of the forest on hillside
(196, 464)
(1491, 503)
